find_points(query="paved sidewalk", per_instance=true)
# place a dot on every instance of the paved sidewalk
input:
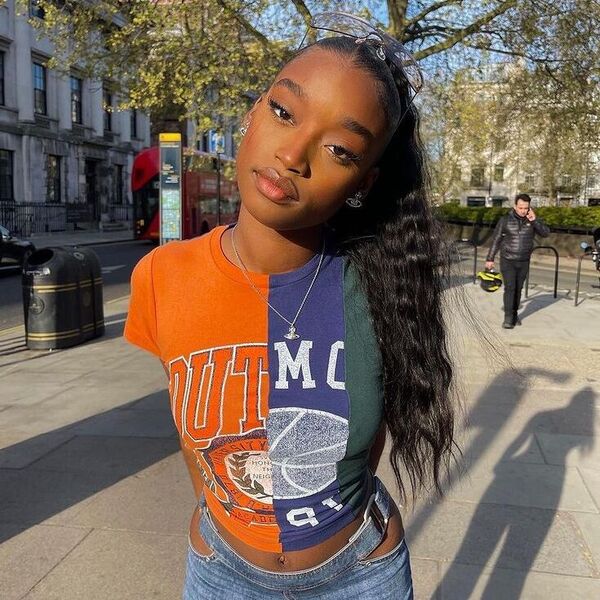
(80, 238)
(94, 497)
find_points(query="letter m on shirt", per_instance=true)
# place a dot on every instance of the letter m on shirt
(295, 366)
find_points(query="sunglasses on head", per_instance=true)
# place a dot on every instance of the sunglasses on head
(385, 46)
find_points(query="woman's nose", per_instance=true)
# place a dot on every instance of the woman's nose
(293, 154)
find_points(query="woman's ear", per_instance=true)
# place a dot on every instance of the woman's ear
(369, 180)
(254, 106)
(248, 116)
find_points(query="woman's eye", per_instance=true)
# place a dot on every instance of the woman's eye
(343, 155)
(279, 111)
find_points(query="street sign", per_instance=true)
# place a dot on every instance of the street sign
(170, 191)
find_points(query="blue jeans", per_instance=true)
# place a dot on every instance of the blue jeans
(225, 575)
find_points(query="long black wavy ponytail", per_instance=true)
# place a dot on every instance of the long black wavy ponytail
(396, 246)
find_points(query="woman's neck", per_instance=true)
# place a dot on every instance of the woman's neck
(266, 250)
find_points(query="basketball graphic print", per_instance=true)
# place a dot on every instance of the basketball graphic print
(304, 447)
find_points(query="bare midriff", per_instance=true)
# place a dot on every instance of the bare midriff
(299, 560)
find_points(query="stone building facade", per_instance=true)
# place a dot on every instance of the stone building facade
(65, 157)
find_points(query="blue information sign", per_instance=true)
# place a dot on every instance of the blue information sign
(170, 187)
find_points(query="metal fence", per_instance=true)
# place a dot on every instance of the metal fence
(25, 219)
(120, 213)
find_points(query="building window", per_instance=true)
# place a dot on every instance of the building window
(499, 173)
(591, 182)
(205, 145)
(53, 179)
(6, 175)
(133, 123)
(499, 145)
(35, 10)
(76, 95)
(2, 55)
(530, 181)
(107, 102)
(566, 181)
(118, 175)
(477, 176)
(39, 89)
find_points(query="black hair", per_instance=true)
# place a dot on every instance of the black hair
(396, 246)
(524, 197)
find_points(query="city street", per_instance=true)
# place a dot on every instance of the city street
(117, 261)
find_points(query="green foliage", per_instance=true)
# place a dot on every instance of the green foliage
(208, 59)
(539, 115)
(556, 217)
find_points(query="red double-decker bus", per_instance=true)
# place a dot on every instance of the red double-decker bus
(202, 207)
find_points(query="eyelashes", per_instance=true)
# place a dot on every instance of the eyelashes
(343, 155)
(340, 154)
(279, 111)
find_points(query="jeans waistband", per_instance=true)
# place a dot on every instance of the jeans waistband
(366, 538)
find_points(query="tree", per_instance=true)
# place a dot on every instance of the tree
(556, 101)
(541, 105)
(206, 57)
(464, 129)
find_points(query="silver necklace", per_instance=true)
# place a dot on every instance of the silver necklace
(292, 333)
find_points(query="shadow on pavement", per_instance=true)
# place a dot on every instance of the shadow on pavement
(533, 304)
(52, 472)
(113, 328)
(482, 419)
(521, 540)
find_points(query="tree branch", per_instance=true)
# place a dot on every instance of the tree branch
(426, 11)
(302, 10)
(397, 13)
(245, 24)
(463, 33)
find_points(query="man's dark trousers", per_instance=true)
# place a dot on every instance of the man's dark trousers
(514, 274)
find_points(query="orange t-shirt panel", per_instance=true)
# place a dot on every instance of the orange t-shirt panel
(216, 355)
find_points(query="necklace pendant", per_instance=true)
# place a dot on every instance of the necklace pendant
(291, 334)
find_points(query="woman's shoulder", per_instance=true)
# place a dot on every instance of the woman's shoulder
(174, 260)
(179, 253)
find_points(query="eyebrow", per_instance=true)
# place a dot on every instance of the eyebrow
(356, 127)
(294, 87)
(348, 123)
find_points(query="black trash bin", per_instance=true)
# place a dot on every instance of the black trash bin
(62, 298)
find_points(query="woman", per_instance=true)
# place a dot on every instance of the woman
(296, 338)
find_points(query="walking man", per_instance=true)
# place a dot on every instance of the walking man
(513, 236)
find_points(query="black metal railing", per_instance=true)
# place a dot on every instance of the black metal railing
(467, 242)
(32, 217)
(120, 213)
(594, 256)
(555, 251)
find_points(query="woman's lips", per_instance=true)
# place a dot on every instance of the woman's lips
(274, 187)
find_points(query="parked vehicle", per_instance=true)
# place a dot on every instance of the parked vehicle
(13, 251)
(595, 249)
(203, 207)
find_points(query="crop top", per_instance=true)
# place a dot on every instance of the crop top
(281, 429)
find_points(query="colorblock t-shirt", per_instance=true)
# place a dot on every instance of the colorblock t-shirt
(281, 428)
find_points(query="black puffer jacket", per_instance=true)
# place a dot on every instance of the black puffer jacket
(514, 237)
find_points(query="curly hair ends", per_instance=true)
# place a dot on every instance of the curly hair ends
(396, 246)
